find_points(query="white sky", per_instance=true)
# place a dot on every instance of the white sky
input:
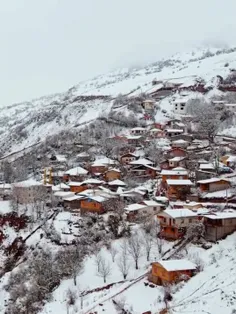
(49, 45)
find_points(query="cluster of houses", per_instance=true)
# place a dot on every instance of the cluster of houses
(188, 185)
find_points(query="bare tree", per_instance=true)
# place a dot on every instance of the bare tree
(148, 242)
(115, 205)
(113, 252)
(207, 118)
(104, 269)
(98, 259)
(135, 248)
(123, 262)
(71, 261)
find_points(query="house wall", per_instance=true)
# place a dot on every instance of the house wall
(98, 169)
(174, 177)
(112, 175)
(168, 276)
(177, 153)
(127, 160)
(91, 206)
(78, 189)
(214, 233)
(72, 204)
(213, 187)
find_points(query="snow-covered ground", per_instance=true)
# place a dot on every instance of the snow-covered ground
(52, 114)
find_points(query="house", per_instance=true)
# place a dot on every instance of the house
(146, 207)
(176, 152)
(73, 203)
(180, 143)
(83, 157)
(61, 187)
(98, 168)
(171, 271)
(148, 104)
(112, 174)
(143, 171)
(177, 162)
(164, 164)
(135, 140)
(184, 136)
(179, 106)
(78, 187)
(174, 222)
(173, 132)
(93, 204)
(61, 195)
(231, 107)
(207, 167)
(75, 174)
(27, 191)
(138, 131)
(213, 184)
(219, 224)
(230, 161)
(141, 161)
(127, 158)
(175, 174)
(156, 133)
(178, 189)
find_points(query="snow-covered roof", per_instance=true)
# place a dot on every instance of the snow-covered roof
(76, 171)
(179, 213)
(155, 130)
(212, 180)
(161, 199)
(62, 186)
(83, 154)
(221, 215)
(150, 203)
(177, 265)
(206, 166)
(92, 181)
(5, 207)
(117, 182)
(179, 182)
(165, 172)
(73, 198)
(230, 105)
(74, 183)
(97, 198)
(133, 207)
(114, 169)
(63, 194)
(174, 130)
(27, 183)
(141, 161)
(177, 158)
(5, 186)
(61, 158)
(134, 137)
(138, 129)
(180, 141)
(104, 161)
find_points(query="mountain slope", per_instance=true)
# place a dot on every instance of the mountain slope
(26, 123)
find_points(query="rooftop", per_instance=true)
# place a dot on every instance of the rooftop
(76, 171)
(221, 215)
(27, 183)
(176, 265)
(133, 207)
(179, 213)
(212, 180)
(141, 161)
(179, 182)
(117, 182)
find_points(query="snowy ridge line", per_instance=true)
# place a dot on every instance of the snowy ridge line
(116, 294)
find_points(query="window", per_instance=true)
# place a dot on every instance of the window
(190, 220)
(164, 219)
(173, 229)
(173, 221)
(154, 208)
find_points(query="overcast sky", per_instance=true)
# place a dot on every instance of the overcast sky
(49, 45)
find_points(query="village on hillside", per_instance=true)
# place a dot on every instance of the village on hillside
(174, 179)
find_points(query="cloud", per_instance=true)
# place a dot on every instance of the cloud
(49, 45)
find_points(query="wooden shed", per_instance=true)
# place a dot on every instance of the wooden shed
(171, 271)
(213, 184)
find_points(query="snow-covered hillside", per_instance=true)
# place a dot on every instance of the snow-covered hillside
(26, 123)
